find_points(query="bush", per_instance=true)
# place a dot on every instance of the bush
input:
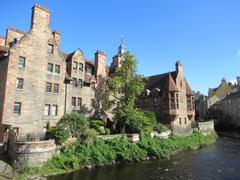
(72, 124)
(151, 115)
(160, 128)
(133, 120)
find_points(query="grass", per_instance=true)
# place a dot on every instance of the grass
(119, 150)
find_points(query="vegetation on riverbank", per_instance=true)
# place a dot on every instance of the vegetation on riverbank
(103, 152)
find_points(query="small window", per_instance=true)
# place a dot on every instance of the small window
(180, 121)
(185, 120)
(56, 89)
(80, 82)
(80, 66)
(47, 110)
(17, 108)
(74, 82)
(89, 70)
(49, 87)
(92, 102)
(73, 101)
(50, 67)
(57, 69)
(54, 110)
(75, 65)
(21, 62)
(79, 102)
(19, 83)
(50, 48)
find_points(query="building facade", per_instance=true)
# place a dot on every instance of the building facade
(170, 96)
(39, 83)
(231, 107)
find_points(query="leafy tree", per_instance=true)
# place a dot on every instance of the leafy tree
(71, 125)
(123, 89)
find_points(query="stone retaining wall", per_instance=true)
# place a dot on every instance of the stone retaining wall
(33, 153)
(206, 126)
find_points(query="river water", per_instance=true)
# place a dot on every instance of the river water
(218, 161)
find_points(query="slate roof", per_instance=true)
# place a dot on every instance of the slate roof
(188, 89)
(165, 82)
(233, 95)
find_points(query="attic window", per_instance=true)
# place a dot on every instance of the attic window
(50, 48)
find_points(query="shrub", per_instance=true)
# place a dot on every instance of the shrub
(152, 116)
(133, 120)
(71, 124)
(160, 128)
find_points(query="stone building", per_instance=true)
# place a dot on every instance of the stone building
(170, 96)
(206, 105)
(39, 83)
(231, 107)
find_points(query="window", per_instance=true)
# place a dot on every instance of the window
(79, 102)
(17, 108)
(56, 89)
(57, 69)
(180, 121)
(89, 70)
(21, 62)
(50, 48)
(80, 66)
(73, 101)
(50, 67)
(185, 120)
(92, 102)
(80, 82)
(47, 110)
(19, 83)
(49, 87)
(54, 110)
(74, 82)
(75, 65)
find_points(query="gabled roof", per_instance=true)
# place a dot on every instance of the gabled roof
(188, 89)
(169, 84)
(164, 82)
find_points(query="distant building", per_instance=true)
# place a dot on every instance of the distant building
(231, 107)
(170, 96)
(206, 104)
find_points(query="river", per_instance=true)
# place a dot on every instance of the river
(218, 161)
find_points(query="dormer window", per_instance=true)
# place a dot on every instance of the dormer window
(50, 48)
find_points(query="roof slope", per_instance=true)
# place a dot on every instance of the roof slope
(164, 82)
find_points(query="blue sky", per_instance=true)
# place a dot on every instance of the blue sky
(203, 34)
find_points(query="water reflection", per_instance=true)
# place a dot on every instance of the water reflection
(218, 161)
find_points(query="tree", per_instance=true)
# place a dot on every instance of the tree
(71, 125)
(123, 89)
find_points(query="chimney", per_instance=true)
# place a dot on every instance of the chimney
(179, 69)
(40, 18)
(100, 64)
(56, 35)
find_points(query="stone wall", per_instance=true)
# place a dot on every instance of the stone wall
(33, 153)
(206, 126)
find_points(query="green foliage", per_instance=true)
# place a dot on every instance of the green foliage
(152, 117)
(123, 89)
(101, 152)
(133, 120)
(160, 128)
(98, 125)
(71, 125)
